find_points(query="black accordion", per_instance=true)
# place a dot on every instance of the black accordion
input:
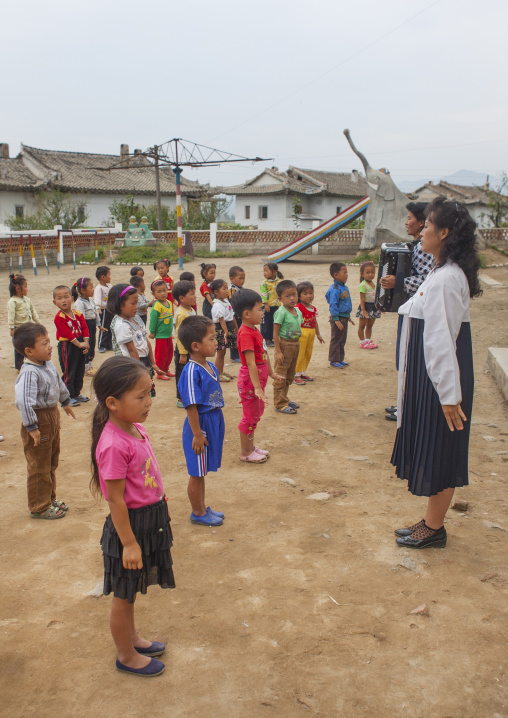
(395, 259)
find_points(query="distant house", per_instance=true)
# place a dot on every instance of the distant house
(268, 200)
(87, 177)
(475, 198)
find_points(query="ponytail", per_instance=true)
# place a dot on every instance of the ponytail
(78, 286)
(273, 267)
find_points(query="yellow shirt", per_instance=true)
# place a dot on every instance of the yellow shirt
(181, 314)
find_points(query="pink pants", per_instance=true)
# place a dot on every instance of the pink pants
(252, 406)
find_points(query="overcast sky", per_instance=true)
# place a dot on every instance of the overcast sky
(421, 85)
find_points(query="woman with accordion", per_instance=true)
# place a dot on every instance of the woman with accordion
(436, 379)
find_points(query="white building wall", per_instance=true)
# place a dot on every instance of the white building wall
(9, 201)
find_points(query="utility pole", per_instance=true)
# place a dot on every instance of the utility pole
(157, 188)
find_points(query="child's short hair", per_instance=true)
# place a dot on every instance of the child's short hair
(245, 300)
(206, 267)
(193, 329)
(135, 270)
(117, 295)
(102, 271)
(335, 267)
(162, 261)
(302, 286)
(182, 288)
(15, 280)
(285, 284)
(273, 267)
(137, 281)
(367, 264)
(77, 288)
(187, 277)
(235, 271)
(26, 335)
(157, 283)
(217, 284)
(61, 286)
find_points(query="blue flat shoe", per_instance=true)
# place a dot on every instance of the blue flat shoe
(154, 668)
(215, 513)
(294, 405)
(155, 649)
(345, 363)
(337, 364)
(82, 398)
(206, 520)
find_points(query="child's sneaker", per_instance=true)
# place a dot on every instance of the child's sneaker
(306, 377)
(299, 380)
(214, 513)
(364, 344)
(224, 378)
(207, 519)
(163, 377)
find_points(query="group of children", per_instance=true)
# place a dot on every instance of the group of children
(137, 539)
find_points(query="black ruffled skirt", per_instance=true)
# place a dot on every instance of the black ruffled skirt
(151, 527)
(426, 453)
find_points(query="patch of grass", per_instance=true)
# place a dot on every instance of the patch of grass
(141, 255)
(483, 261)
(497, 249)
(365, 257)
(205, 254)
(90, 256)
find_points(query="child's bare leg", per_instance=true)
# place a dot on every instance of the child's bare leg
(136, 639)
(196, 494)
(121, 623)
(219, 360)
(361, 328)
(246, 443)
(368, 330)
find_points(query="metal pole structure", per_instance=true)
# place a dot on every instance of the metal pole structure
(44, 252)
(10, 256)
(96, 249)
(178, 172)
(73, 250)
(34, 263)
(21, 254)
(158, 189)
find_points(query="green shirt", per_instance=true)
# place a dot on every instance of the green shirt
(161, 320)
(290, 324)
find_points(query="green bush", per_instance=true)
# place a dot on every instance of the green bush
(90, 256)
(365, 257)
(141, 255)
(206, 253)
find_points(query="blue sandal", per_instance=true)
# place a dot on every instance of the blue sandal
(287, 410)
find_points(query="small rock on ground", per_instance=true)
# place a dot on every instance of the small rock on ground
(422, 610)
(460, 505)
(326, 432)
(290, 482)
(358, 458)
(408, 563)
(488, 576)
(97, 591)
(320, 496)
(489, 438)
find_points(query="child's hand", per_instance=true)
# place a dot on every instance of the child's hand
(151, 336)
(274, 376)
(183, 359)
(320, 338)
(198, 444)
(261, 394)
(36, 436)
(103, 329)
(131, 556)
(365, 314)
(12, 332)
(158, 371)
(68, 411)
(340, 325)
(351, 321)
(279, 357)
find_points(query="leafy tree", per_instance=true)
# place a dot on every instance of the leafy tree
(296, 204)
(52, 207)
(498, 203)
(200, 214)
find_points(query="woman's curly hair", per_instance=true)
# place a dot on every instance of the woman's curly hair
(459, 245)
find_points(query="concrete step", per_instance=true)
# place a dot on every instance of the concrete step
(497, 361)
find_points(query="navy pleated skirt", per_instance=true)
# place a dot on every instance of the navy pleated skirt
(426, 453)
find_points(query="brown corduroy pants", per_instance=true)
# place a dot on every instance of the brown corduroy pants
(42, 460)
(290, 349)
(336, 350)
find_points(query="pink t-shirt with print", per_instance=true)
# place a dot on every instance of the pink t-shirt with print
(121, 456)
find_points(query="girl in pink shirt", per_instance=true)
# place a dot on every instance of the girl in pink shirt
(136, 539)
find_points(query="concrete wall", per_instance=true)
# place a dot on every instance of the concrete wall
(8, 202)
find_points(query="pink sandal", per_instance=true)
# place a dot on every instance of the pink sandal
(373, 345)
(254, 458)
(263, 452)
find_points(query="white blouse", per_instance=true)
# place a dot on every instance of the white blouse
(222, 308)
(442, 301)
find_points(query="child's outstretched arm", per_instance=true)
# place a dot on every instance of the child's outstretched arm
(224, 327)
(279, 356)
(199, 441)
(318, 334)
(365, 313)
(131, 557)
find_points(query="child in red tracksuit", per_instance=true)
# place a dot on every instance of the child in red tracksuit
(73, 343)
(161, 328)
(254, 372)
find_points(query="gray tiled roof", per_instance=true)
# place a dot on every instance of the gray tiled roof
(461, 193)
(310, 182)
(15, 176)
(339, 183)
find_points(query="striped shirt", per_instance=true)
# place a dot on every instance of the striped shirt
(38, 386)
(421, 264)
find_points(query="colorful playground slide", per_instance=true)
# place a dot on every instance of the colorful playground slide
(321, 232)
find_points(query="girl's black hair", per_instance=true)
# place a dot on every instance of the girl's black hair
(101, 271)
(157, 283)
(246, 299)
(368, 263)
(302, 286)
(417, 209)
(162, 261)
(273, 267)
(459, 245)
(77, 288)
(135, 270)
(187, 277)
(182, 288)
(114, 377)
(235, 271)
(15, 280)
(116, 298)
(137, 281)
(217, 284)
(205, 268)
(285, 284)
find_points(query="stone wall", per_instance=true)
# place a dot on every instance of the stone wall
(498, 237)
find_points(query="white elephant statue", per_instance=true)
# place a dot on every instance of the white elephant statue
(386, 213)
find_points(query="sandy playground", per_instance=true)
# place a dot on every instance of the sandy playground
(294, 607)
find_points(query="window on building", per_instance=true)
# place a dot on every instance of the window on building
(263, 212)
(339, 210)
(19, 211)
(247, 211)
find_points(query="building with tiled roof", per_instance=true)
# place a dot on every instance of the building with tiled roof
(268, 199)
(94, 179)
(475, 198)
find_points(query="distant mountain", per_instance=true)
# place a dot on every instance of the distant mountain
(467, 178)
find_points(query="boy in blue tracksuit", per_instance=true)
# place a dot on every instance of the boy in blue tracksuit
(339, 301)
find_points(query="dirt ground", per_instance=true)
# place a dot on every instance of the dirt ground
(294, 606)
